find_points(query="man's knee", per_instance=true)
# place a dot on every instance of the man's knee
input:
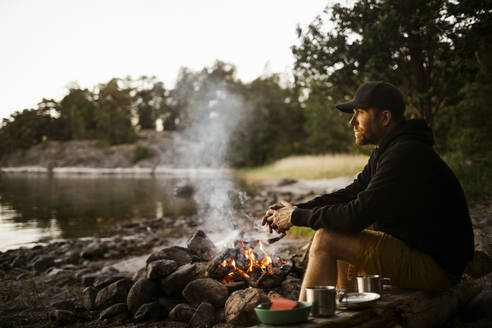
(335, 244)
(322, 242)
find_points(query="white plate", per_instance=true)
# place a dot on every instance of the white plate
(357, 300)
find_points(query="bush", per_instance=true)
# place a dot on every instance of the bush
(474, 174)
(142, 152)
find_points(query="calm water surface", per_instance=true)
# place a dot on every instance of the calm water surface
(36, 208)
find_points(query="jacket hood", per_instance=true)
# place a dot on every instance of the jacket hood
(416, 129)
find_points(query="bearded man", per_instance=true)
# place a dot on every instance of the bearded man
(404, 217)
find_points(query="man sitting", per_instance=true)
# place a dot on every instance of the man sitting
(405, 215)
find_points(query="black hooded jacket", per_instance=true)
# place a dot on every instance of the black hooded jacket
(405, 190)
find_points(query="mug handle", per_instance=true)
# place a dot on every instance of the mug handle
(341, 294)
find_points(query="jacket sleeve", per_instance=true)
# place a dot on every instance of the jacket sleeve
(393, 188)
(343, 195)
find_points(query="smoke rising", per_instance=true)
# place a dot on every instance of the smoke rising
(212, 114)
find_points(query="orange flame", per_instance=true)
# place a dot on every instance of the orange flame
(253, 263)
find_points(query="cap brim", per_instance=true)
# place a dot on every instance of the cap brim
(347, 107)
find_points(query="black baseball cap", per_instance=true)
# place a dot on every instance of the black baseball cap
(376, 94)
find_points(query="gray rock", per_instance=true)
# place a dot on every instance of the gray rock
(62, 317)
(233, 286)
(102, 281)
(109, 270)
(204, 316)
(115, 293)
(239, 307)
(150, 311)
(178, 254)
(174, 324)
(205, 290)
(168, 304)
(480, 265)
(200, 270)
(89, 279)
(176, 281)
(223, 325)
(23, 275)
(43, 263)
(89, 298)
(18, 262)
(290, 288)
(160, 268)
(63, 305)
(182, 312)
(286, 182)
(72, 256)
(184, 191)
(79, 274)
(51, 272)
(143, 291)
(267, 281)
(220, 314)
(141, 273)
(202, 245)
(113, 311)
(93, 250)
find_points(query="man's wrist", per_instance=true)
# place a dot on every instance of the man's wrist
(300, 217)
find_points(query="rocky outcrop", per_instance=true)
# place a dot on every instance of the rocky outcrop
(206, 290)
(143, 291)
(239, 308)
(115, 293)
(178, 254)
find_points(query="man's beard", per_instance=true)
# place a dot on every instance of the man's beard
(365, 137)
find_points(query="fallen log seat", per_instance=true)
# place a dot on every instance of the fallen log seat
(405, 308)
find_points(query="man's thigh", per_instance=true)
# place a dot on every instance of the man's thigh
(383, 254)
(342, 246)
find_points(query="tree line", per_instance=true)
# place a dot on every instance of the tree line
(437, 52)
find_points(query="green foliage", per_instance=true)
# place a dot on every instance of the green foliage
(77, 115)
(273, 127)
(142, 152)
(25, 129)
(150, 100)
(474, 173)
(326, 128)
(113, 115)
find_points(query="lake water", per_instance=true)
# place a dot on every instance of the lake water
(39, 207)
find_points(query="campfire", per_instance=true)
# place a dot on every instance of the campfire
(249, 262)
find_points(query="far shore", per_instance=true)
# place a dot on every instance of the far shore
(160, 170)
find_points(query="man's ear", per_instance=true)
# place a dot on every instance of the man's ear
(385, 117)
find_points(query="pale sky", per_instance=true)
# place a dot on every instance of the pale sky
(45, 45)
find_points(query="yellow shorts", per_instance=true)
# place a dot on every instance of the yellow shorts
(385, 255)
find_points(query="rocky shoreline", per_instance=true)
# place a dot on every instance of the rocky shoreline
(87, 282)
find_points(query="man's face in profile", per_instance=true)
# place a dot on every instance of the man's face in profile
(367, 128)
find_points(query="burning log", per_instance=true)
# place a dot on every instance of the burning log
(242, 263)
(269, 280)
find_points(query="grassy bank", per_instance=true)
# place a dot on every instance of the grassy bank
(306, 167)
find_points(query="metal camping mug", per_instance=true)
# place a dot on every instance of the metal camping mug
(323, 300)
(372, 284)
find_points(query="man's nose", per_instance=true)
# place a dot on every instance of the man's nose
(352, 121)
